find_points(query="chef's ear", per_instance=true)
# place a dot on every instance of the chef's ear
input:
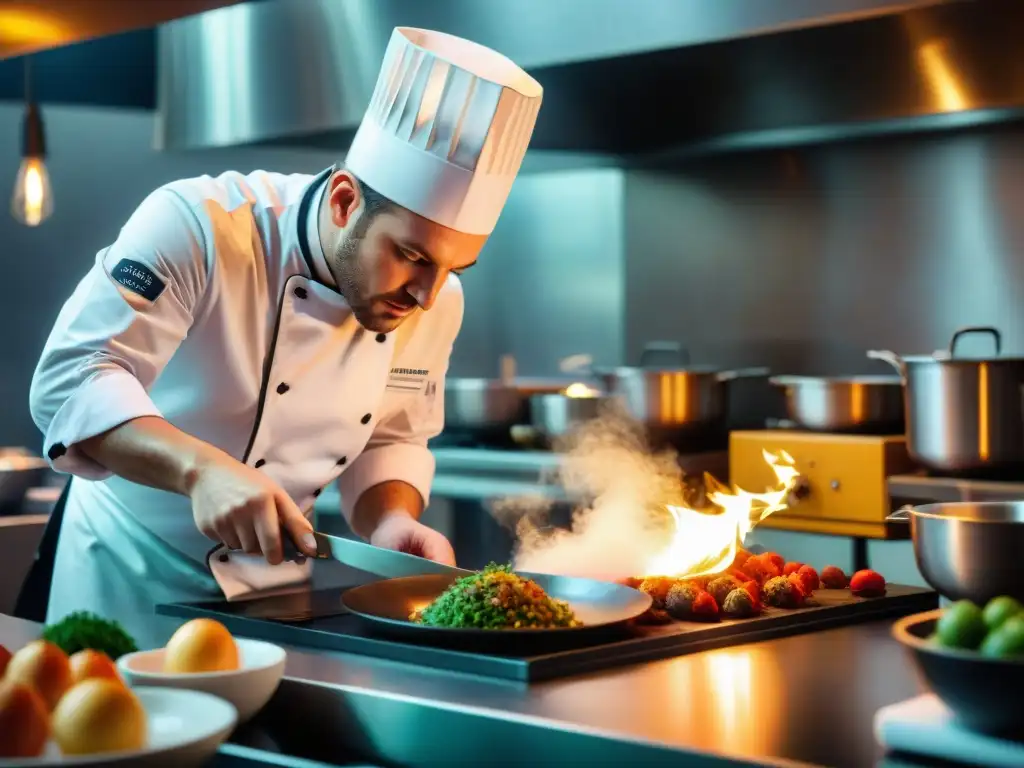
(344, 196)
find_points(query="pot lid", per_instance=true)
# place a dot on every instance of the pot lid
(943, 356)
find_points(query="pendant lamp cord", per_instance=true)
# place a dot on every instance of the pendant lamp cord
(27, 72)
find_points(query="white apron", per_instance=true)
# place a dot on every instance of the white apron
(211, 311)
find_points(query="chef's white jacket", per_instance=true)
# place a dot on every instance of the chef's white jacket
(214, 310)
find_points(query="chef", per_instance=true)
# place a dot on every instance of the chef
(249, 339)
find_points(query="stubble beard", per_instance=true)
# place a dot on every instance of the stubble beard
(351, 280)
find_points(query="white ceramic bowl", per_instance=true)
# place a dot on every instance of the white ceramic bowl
(249, 688)
(185, 729)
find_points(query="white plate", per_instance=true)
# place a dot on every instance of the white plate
(248, 688)
(185, 729)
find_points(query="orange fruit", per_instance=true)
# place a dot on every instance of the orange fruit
(99, 715)
(5, 656)
(24, 721)
(43, 666)
(201, 645)
(89, 663)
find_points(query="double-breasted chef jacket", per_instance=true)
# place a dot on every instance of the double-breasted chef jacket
(215, 310)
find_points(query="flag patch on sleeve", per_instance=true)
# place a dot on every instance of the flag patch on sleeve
(138, 278)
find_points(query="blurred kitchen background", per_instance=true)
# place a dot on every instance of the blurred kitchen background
(783, 184)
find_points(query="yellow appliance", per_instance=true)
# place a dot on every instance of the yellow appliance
(842, 488)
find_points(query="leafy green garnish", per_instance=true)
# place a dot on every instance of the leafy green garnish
(496, 598)
(81, 629)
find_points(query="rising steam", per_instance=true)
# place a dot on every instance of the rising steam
(612, 536)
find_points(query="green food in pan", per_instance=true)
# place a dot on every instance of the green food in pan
(496, 598)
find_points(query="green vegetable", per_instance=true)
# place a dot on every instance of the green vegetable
(999, 609)
(961, 626)
(1007, 640)
(81, 630)
(496, 598)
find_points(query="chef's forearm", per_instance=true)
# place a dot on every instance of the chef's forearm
(392, 497)
(151, 451)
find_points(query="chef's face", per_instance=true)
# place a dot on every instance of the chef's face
(385, 259)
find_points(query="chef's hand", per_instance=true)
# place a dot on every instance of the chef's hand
(402, 532)
(246, 510)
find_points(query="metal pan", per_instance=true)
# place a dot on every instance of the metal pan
(601, 606)
(679, 403)
(869, 404)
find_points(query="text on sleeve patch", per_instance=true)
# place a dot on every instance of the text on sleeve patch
(138, 278)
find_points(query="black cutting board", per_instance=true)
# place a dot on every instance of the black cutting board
(325, 625)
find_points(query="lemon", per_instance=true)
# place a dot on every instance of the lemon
(24, 720)
(201, 645)
(99, 715)
(43, 666)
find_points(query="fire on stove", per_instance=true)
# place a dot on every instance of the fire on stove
(640, 530)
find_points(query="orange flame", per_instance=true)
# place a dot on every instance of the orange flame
(704, 543)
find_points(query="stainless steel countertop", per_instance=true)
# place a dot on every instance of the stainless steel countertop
(808, 699)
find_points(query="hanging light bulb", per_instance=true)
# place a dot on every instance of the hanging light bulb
(32, 201)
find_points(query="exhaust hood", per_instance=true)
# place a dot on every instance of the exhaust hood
(638, 78)
(29, 26)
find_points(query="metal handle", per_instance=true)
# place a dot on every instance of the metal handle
(672, 348)
(976, 329)
(743, 373)
(891, 358)
(582, 363)
(901, 515)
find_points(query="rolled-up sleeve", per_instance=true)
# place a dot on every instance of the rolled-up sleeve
(116, 333)
(398, 449)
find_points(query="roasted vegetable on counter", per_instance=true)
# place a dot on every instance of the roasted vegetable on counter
(867, 583)
(749, 583)
(833, 577)
(721, 587)
(781, 592)
(739, 604)
(657, 587)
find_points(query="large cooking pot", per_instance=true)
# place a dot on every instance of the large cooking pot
(964, 415)
(675, 396)
(862, 404)
(556, 415)
(969, 550)
(487, 408)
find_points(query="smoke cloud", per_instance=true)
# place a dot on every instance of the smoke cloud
(622, 519)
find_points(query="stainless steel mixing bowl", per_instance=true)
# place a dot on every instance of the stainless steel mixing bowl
(969, 550)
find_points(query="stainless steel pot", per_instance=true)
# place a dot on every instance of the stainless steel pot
(969, 550)
(486, 407)
(556, 415)
(871, 404)
(964, 415)
(680, 396)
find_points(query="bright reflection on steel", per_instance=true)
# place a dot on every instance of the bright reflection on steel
(741, 682)
(936, 64)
